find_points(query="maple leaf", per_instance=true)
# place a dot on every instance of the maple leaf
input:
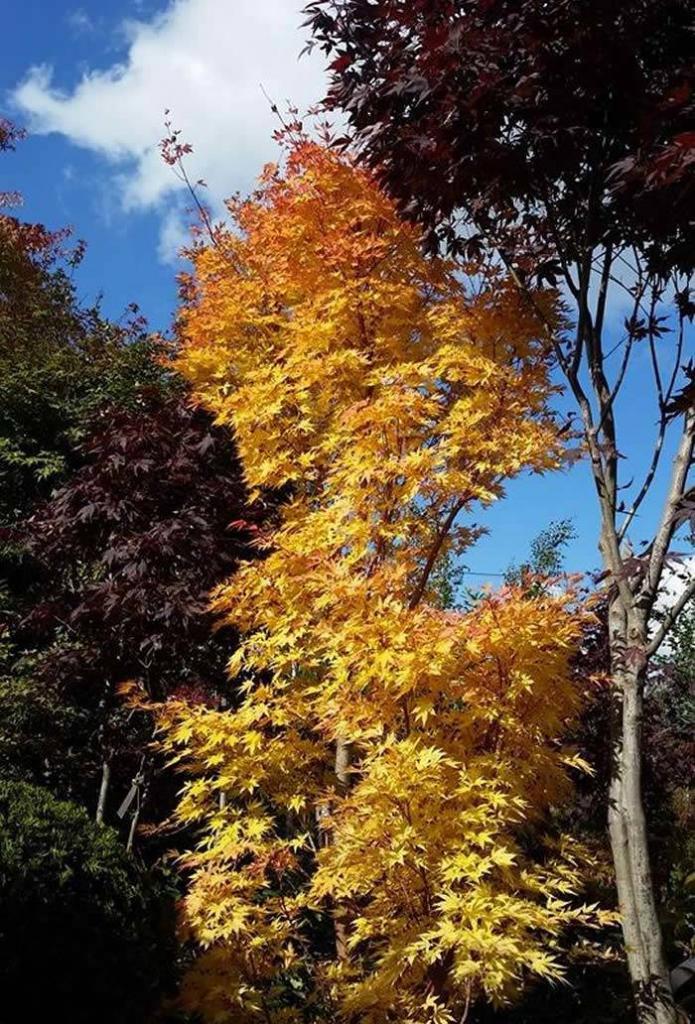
(394, 747)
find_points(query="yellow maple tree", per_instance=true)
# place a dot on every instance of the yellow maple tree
(365, 807)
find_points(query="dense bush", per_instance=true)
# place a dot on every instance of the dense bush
(84, 933)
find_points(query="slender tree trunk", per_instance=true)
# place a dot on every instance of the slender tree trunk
(343, 760)
(103, 791)
(223, 797)
(105, 754)
(140, 798)
(628, 830)
(133, 827)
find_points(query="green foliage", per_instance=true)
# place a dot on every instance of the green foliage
(44, 738)
(546, 557)
(47, 399)
(446, 583)
(85, 934)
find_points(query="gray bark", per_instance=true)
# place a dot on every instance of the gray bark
(133, 827)
(103, 791)
(341, 918)
(628, 829)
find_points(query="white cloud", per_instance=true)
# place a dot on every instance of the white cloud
(173, 234)
(205, 60)
(678, 574)
(79, 21)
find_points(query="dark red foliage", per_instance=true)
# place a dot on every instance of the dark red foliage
(487, 107)
(131, 547)
(155, 518)
(171, 147)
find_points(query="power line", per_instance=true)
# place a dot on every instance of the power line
(564, 572)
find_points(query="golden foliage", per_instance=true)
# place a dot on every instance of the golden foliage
(365, 809)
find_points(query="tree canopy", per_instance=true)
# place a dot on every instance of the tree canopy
(388, 755)
(466, 107)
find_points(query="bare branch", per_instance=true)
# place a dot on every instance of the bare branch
(652, 353)
(603, 289)
(552, 221)
(434, 553)
(677, 359)
(629, 342)
(644, 489)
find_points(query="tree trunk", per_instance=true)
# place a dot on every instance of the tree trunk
(103, 791)
(343, 758)
(628, 829)
(133, 827)
(105, 753)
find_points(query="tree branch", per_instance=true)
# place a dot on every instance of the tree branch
(644, 489)
(681, 467)
(670, 618)
(434, 553)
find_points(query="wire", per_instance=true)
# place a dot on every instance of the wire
(564, 572)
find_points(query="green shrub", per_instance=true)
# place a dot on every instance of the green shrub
(85, 934)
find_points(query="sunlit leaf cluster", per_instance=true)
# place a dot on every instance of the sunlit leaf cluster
(370, 810)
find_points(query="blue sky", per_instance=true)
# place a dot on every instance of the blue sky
(65, 184)
(92, 79)
(91, 160)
